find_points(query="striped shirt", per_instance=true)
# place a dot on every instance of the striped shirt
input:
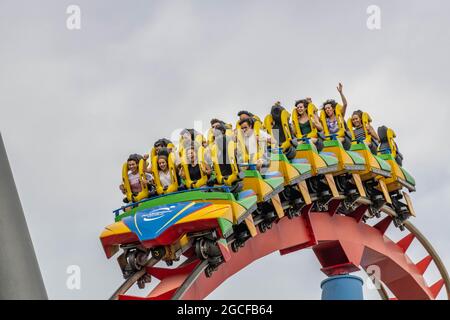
(360, 134)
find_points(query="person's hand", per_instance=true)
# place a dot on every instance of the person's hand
(259, 164)
(340, 87)
(122, 188)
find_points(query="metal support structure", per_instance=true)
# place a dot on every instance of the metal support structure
(20, 276)
(342, 287)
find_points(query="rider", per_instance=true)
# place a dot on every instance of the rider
(303, 118)
(254, 144)
(135, 179)
(163, 171)
(194, 167)
(360, 133)
(329, 107)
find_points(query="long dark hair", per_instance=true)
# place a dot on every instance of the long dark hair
(333, 105)
(304, 101)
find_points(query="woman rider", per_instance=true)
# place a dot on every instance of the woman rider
(303, 118)
(360, 133)
(164, 172)
(329, 107)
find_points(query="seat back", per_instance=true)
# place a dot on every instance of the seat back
(277, 124)
(387, 142)
(224, 161)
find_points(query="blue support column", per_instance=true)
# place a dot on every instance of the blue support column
(343, 287)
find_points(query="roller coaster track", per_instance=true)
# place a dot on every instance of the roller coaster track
(132, 280)
(342, 244)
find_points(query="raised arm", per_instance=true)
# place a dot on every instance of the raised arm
(344, 100)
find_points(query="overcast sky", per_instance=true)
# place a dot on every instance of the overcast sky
(75, 103)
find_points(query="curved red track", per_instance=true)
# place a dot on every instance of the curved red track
(342, 244)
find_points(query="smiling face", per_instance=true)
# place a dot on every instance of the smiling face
(133, 166)
(162, 164)
(301, 108)
(329, 111)
(356, 121)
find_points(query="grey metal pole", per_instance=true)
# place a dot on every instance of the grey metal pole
(20, 276)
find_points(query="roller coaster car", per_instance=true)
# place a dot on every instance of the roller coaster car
(321, 185)
(126, 183)
(349, 163)
(376, 170)
(173, 174)
(226, 171)
(295, 176)
(388, 151)
(198, 222)
(267, 187)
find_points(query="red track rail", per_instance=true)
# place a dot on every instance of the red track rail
(342, 244)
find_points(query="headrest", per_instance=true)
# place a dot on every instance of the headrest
(276, 112)
(382, 133)
(162, 142)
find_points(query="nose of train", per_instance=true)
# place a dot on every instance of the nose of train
(114, 235)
